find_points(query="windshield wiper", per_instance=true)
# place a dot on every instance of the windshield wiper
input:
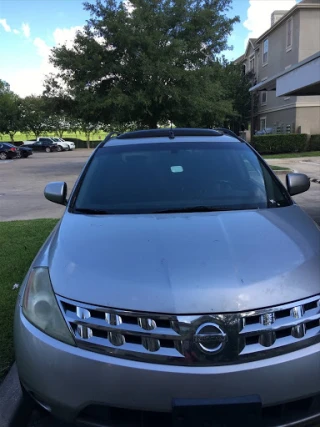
(91, 211)
(195, 209)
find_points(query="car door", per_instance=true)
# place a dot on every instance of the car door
(36, 146)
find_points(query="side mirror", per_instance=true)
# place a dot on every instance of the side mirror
(56, 192)
(297, 183)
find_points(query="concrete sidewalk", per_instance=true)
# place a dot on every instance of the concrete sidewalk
(308, 165)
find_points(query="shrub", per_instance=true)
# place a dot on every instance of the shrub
(314, 143)
(282, 143)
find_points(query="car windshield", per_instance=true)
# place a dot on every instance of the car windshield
(177, 177)
(56, 139)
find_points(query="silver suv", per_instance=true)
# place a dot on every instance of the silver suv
(182, 285)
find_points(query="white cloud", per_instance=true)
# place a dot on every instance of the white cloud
(66, 36)
(128, 5)
(259, 15)
(29, 80)
(26, 30)
(5, 25)
(16, 31)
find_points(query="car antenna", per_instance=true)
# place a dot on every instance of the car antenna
(171, 133)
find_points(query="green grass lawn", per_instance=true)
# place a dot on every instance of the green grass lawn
(19, 243)
(23, 137)
(279, 168)
(292, 155)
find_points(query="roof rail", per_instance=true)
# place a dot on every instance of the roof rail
(170, 133)
(231, 133)
(107, 138)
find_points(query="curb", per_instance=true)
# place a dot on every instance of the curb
(15, 407)
(281, 172)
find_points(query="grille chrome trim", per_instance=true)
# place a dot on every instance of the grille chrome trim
(170, 339)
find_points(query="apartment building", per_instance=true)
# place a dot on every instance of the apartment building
(292, 39)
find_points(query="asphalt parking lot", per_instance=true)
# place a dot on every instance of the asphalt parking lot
(23, 181)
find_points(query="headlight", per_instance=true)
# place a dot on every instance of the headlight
(40, 306)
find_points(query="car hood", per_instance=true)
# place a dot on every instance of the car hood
(185, 263)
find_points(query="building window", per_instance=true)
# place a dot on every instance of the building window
(251, 63)
(264, 97)
(289, 34)
(265, 52)
(263, 123)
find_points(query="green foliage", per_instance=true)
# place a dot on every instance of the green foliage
(314, 143)
(238, 85)
(4, 86)
(34, 115)
(158, 63)
(287, 143)
(19, 242)
(10, 112)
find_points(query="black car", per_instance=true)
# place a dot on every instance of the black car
(45, 145)
(21, 151)
(7, 151)
(24, 151)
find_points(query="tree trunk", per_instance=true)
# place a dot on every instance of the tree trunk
(11, 134)
(88, 139)
(60, 133)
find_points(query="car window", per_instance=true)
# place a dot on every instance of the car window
(253, 169)
(157, 177)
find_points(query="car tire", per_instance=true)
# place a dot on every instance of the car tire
(3, 155)
(59, 148)
(48, 149)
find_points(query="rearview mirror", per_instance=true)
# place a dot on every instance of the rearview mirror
(56, 192)
(297, 183)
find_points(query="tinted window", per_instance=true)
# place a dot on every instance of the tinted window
(156, 177)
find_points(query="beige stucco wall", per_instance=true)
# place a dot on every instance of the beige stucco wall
(309, 119)
(278, 57)
(276, 118)
(309, 35)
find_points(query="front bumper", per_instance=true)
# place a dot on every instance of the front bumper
(69, 381)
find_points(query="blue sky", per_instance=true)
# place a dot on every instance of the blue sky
(29, 28)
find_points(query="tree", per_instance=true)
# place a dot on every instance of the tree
(237, 85)
(4, 86)
(10, 112)
(155, 63)
(35, 115)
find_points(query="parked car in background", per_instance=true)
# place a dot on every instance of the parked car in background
(24, 151)
(7, 151)
(67, 145)
(181, 282)
(46, 144)
(46, 140)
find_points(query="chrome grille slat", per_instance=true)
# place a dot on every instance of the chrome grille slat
(279, 324)
(127, 328)
(181, 340)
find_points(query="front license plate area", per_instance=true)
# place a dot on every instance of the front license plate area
(244, 411)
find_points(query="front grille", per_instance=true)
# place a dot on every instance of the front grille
(201, 340)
